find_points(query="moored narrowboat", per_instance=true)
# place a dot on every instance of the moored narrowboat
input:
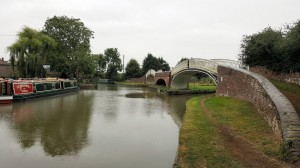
(20, 90)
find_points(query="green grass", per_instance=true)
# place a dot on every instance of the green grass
(289, 87)
(242, 117)
(200, 142)
(131, 83)
(202, 88)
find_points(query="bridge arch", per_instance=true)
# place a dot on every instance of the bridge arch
(161, 82)
(183, 71)
(181, 79)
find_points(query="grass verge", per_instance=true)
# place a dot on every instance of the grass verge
(200, 142)
(202, 88)
(288, 87)
(131, 83)
(243, 118)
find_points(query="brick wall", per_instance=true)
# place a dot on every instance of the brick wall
(269, 102)
(166, 76)
(287, 77)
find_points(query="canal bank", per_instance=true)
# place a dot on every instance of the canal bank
(225, 132)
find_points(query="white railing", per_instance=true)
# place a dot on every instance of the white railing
(228, 63)
(179, 67)
(203, 64)
(196, 63)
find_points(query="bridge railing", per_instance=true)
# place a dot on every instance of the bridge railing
(209, 66)
(203, 64)
(196, 63)
(179, 67)
(228, 63)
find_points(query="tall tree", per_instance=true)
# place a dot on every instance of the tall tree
(291, 48)
(114, 63)
(133, 69)
(164, 66)
(73, 40)
(151, 62)
(102, 62)
(261, 49)
(30, 51)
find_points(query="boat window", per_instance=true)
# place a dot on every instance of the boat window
(62, 84)
(67, 84)
(9, 89)
(39, 87)
(57, 85)
(4, 88)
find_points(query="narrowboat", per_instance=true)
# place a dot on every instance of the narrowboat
(22, 89)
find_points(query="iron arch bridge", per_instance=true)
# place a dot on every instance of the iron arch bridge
(183, 71)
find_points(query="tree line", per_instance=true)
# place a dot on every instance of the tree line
(64, 44)
(276, 49)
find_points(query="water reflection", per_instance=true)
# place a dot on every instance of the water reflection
(175, 103)
(112, 126)
(60, 124)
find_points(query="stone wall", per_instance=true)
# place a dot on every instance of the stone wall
(271, 104)
(287, 77)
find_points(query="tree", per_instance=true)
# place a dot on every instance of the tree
(89, 64)
(291, 48)
(262, 49)
(30, 52)
(133, 69)
(164, 66)
(182, 59)
(100, 65)
(112, 56)
(151, 62)
(73, 40)
(102, 62)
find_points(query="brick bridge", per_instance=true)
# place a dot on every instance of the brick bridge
(234, 81)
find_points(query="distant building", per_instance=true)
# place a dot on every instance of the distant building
(5, 68)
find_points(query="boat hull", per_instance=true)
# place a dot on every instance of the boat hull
(17, 98)
(21, 90)
(6, 99)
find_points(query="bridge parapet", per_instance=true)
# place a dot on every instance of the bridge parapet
(203, 64)
(228, 63)
(179, 67)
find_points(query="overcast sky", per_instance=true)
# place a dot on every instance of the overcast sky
(171, 29)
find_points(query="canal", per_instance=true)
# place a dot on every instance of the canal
(112, 126)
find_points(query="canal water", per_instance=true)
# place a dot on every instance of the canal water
(112, 126)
